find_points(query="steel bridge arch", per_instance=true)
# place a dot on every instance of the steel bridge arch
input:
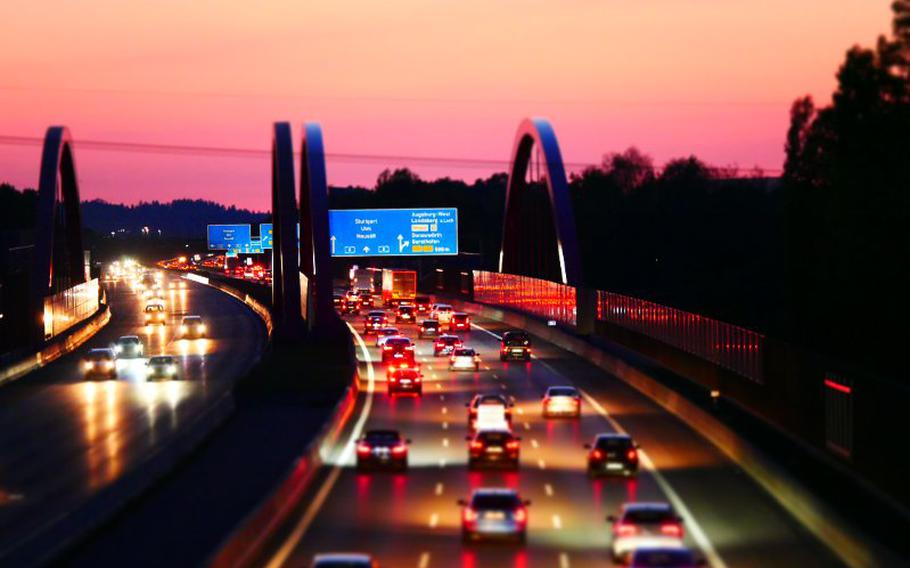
(315, 253)
(286, 305)
(58, 185)
(529, 256)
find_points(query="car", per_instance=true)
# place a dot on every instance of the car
(479, 400)
(398, 349)
(128, 347)
(423, 304)
(515, 344)
(351, 306)
(162, 367)
(612, 453)
(644, 524)
(155, 314)
(428, 328)
(382, 449)
(406, 313)
(343, 560)
(464, 359)
(337, 301)
(192, 327)
(664, 557)
(499, 447)
(374, 321)
(384, 333)
(460, 321)
(442, 313)
(445, 344)
(494, 513)
(562, 401)
(366, 298)
(99, 363)
(404, 378)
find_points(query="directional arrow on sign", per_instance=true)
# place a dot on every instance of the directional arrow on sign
(402, 244)
(333, 244)
(366, 249)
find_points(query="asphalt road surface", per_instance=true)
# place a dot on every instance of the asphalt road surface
(412, 519)
(63, 438)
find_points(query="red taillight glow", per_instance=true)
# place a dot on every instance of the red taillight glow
(671, 529)
(632, 455)
(597, 454)
(439, 344)
(512, 444)
(363, 448)
(625, 530)
(400, 449)
(470, 515)
(386, 347)
(476, 445)
(521, 515)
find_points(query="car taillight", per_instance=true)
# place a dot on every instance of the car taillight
(452, 358)
(477, 358)
(399, 449)
(476, 445)
(393, 379)
(363, 448)
(438, 344)
(386, 347)
(422, 329)
(596, 454)
(521, 515)
(470, 515)
(410, 347)
(625, 530)
(632, 455)
(671, 529)
(512, 444)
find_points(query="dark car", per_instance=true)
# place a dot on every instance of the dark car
(351, 306)
(192, 327)
(405, 378)
(446, 344)
(406, 314)
(428, 328)
(162, 367)
(612, 454)
(337, 301)
(494, 513)
(128, 347)
(423, 304)
(100, 363)
(382, 449)
(493, 448)
(374, 321)
(515, 344)
(366, 298)
(398, 350)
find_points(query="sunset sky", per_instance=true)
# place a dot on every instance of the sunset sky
(399, 79)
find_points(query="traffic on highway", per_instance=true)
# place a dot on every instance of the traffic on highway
(477, 445)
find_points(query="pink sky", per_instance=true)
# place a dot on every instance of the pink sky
(434, 78)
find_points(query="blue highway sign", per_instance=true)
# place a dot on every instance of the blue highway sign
(233, 238)
(393, 232)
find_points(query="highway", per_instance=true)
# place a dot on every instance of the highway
(412, 519)
(64, 439)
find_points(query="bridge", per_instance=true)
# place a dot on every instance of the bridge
(700, 397)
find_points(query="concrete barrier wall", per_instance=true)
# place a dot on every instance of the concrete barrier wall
(842, 537)
(57, 347)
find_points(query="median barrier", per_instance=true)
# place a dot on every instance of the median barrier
(56, 347)
(249, 540)
(814, 514)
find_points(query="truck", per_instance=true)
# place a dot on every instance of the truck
(362, 279)
(398, 285)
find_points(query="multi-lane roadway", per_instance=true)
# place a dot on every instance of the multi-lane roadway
(65, 440)
(412, 520)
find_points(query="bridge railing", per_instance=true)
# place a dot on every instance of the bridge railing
(65, 309)
(542, 298)
(732, 347)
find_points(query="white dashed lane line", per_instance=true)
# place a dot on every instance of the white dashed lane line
(548, 489)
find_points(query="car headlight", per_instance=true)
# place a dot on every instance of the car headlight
(183, 329)
(88, 365)
(201, 327)
(117, 348)
(172, 369)
(108, 365)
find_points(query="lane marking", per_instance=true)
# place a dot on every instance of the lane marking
(534, 443)
(486, 367)
(434, 520)
(495, 376)
(445, 442)
(548, 489)
(541, 464)
(527, 426)
(445, 410)
(691, 524)
(557, 522)
(445, 425)
(438, 386)
(288, 546)
(487, 331)
(520, 410)
(424, 560)
(503, 386)
(439, 489)
(564, 560)
(442, 463)
(442, 397)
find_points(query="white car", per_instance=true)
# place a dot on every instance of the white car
(464, 359)
(385, 333)
(442, 313)
(562, 401)
(644, 524)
